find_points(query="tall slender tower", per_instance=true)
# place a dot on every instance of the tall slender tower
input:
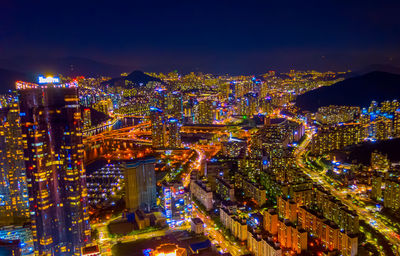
(14, 201)
(140, 184)
(53, 150)
(174, 136)
(157, 127)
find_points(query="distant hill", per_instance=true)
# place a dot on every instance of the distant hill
(361, 153)
(355, 91)
(373, 68)
(8, 79)
(67, 66)
(137, 78)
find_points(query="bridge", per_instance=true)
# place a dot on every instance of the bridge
(135, 141)
(131, 134)
(124, 143)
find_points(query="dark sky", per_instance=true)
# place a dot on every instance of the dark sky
(212, 36)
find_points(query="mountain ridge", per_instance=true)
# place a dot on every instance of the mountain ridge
(354, 91)
(137, 78)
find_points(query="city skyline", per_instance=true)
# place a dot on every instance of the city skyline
(224, 128)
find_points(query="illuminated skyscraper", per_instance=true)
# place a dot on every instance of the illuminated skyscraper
(140, 184)
(160, 98)
(264, 89)
(203, 112)
(87, 122)
(248, 105)
(175, 107)
(175, 202)
(392, 195)
(232, 91)
(174, 127)
(157, 127)
(14, 201)
(53, 150)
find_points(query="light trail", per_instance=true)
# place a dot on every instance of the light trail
(367, 216)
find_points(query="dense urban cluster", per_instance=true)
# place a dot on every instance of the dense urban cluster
(174, 164)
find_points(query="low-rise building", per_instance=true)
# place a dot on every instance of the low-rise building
(168, 249)
(197, 225)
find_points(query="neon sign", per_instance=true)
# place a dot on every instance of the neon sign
(48, 80)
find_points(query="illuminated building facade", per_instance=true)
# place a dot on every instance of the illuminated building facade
(237, 225)
(260, 245)
(157, 127)
(197, 225)
(266, 105)
(14, 200)
(381, 128)
(396, 124)
(392, 195)
(376, 188)
(140, 184)
(53, 151)
(23, 234)
(248, 105)
(174, 105)
(87, 122)
(336, 114)
(379, 161)
(202, 192)
(174, 138)
(175, 202)
(252, 190)
(335, 137)
(224, 189)
(168, 250)
(203, 112)
(104, 106)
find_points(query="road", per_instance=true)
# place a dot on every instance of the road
(321, 178)
(131, 133)
(194, 166)
(216, 234)
(105, 242)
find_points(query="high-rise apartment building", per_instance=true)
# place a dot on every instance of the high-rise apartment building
(203, 112)
(175, 202)
(53, 151)
(174, 127)
(376, 188)
(87, 121)
(140, 184)
(174, 105)
(392, 195)
(104, 106)
(157, 127)
(14, 201)
(335, 137)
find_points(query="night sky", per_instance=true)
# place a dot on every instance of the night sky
(211, 36)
